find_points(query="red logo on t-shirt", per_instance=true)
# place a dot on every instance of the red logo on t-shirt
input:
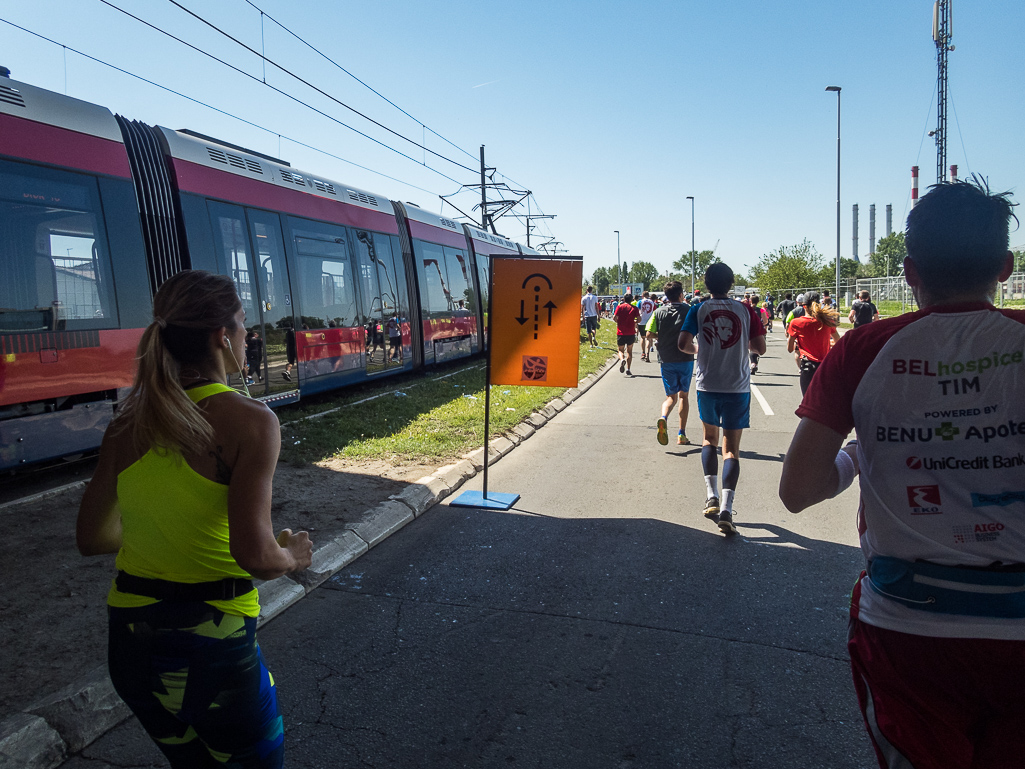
(722, 325)
(924, 496)
(914, 463)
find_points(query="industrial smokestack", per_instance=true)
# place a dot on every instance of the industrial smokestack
(872, 228)
(914, 186)
(855, 230)
(889, 219)
(953, 173)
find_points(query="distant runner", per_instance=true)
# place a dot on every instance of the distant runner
(646, 306)
(677, 367)
(589, 312)
(728, 331)
(626, 316)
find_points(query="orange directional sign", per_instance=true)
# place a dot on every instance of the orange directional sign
(535, 322)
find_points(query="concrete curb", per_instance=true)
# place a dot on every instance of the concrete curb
(48, 732)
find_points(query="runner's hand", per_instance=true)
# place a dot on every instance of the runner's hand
(299, 546)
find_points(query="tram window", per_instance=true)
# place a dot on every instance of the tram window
(326, 286)
(438, 294)
(233, 259)
(460, 282)
(57, 273)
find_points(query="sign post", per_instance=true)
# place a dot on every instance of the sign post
(533, 333)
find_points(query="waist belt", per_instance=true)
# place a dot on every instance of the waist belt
(164, 590)
(949, 589)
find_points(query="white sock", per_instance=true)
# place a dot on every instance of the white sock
(727, 499)
(712, 485)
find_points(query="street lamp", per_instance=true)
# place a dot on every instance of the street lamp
(619, 266)
(837, 89)
(692, 267)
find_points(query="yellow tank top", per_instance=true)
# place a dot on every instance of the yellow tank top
(174, 525)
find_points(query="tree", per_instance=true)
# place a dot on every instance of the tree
(849, 269)
(1019, 259)
(644, 272)
(788, 267)
(889, 254)
(601, 280)
(701, 261)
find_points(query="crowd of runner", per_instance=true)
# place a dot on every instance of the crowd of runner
(937, 619)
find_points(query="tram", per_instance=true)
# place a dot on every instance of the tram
(96, 211)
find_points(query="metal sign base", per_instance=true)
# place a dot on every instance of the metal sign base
(491, 500)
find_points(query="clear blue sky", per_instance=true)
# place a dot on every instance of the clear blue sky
(611, 113)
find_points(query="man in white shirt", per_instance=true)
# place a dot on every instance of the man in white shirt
(937, 627)
(589, 313)
(645, 306)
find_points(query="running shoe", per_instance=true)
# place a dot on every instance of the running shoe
(628, 372)
(287, 377)
(622, 366)
(682, 440)
(663, 432)
(712, 508)
(726, 523)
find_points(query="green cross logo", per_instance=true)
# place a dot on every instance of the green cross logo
(947, 431)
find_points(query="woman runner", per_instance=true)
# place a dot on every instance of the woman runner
(182, 494)
(810, 337)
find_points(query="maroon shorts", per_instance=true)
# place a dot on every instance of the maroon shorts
(939, 703)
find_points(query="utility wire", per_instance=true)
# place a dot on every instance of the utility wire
(961, 137)
(358, 80)
(221, 111)
(291, 74)
(277, 90)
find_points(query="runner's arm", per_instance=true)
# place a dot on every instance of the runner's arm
(686, 343)
(98, 528)
(809, 470)
(252, 541)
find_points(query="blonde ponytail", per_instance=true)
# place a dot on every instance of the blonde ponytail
(157, 412)
(827, 316)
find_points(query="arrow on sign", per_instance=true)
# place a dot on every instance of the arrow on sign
(521, 320)
(551, 306)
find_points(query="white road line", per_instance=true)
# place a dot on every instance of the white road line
(762, 402)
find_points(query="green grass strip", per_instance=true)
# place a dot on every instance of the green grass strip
(422, 418)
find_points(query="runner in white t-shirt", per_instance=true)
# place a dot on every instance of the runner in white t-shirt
(589, 313)
(725, 331)
(645, 306)
(937, 633)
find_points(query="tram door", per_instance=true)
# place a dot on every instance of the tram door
(252, 253)
(384, 307)
(276, 310)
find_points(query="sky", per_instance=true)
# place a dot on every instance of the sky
(610, 113)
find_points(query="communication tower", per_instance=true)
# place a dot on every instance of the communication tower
(941, 34)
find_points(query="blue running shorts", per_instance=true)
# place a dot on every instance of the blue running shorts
(676, 376)
(730, 411)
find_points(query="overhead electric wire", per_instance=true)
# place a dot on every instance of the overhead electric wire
(221, 111)
(961, 137)
(291, 74)
(358, 80)
(282, 92)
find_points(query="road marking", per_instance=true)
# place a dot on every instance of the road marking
(762, 402)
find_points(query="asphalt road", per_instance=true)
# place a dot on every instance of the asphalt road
(601, 623)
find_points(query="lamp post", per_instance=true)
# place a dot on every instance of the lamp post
(837, 89)
(692, 267)
(619, 266)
